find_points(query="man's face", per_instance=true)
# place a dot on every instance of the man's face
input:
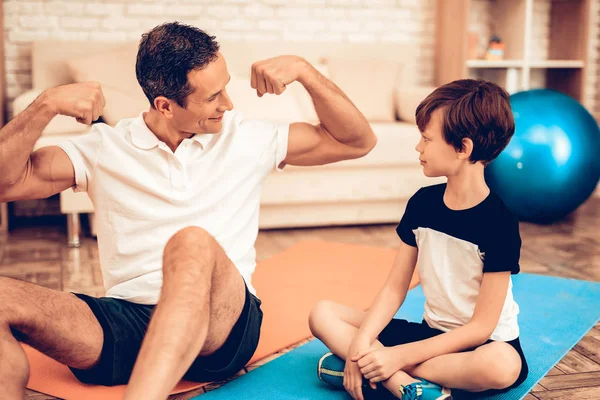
(208, 102)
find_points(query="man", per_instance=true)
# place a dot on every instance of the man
(176, 193)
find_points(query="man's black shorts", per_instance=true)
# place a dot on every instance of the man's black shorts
(125, 323)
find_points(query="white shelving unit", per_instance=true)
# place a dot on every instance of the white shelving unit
(514, 22)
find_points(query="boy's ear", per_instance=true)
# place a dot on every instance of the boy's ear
(467, 149)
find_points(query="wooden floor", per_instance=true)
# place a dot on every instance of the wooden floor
(570, 248)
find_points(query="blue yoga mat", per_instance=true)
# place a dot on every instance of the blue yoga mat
(555, 314)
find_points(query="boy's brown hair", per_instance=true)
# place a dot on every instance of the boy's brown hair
(474, 109)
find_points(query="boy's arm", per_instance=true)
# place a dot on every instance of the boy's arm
(492, 295)
(391, 296)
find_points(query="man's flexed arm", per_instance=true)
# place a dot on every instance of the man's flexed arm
(24, 174)
(342, 133)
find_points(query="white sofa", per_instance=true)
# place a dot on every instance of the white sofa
(379, 78)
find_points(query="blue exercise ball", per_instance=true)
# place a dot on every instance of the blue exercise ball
(552, 163)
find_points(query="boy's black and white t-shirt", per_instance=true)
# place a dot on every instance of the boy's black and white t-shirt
(456, 247)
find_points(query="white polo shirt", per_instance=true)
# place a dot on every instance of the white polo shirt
(143, 193)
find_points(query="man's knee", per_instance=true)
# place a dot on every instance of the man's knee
(191, 237)
(191, 242)
(191, 254)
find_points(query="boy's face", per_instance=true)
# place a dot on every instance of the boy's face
(437, 157)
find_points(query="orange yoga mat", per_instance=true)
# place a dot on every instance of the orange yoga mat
(288, 284)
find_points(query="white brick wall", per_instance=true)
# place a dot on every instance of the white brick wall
(330, 20)
(327, 20)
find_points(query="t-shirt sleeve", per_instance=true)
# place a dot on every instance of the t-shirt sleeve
(271, 138)
(504, 251)
(409, 221)
(82, 151)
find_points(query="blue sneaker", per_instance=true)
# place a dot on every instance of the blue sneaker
(331, 370)
(425, 390)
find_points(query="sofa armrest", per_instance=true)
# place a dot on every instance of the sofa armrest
(60, 124)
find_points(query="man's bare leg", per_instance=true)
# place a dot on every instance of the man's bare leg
(202, 297)
(56, 323)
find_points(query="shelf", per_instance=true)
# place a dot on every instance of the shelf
(557, 64)
(520, 64)
(495, 64)
(566, 25)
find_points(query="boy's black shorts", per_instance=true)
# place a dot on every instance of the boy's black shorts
(400, 331)
(125, 323)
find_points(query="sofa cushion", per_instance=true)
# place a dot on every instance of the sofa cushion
(112, 68)
(369, 83)
(115, 70)
(407, 99)
(120, 105)
(307, 107)
(270, 107)
(303, 110)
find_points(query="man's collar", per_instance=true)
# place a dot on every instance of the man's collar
(203, 139)
(145, 139)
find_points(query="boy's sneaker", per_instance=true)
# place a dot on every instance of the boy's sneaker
(425, 390)
(331, 370)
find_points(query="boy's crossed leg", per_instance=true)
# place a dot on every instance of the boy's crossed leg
(494, 365)
(336, 325)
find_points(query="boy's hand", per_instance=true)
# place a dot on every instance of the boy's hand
(352, 376)
(379, 364)
(353, 380)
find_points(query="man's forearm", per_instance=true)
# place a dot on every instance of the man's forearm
(18, 137)
(336, 112)
(459, 339)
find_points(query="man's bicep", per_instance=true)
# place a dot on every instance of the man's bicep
(52, 164)
(314, 145)
(303, 140)
(48, 171)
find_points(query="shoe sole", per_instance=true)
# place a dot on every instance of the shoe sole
(446, 394)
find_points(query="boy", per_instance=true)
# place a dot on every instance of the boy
(466, 244)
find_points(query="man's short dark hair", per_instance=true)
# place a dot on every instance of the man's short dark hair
(167, 54)
(474, 109)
